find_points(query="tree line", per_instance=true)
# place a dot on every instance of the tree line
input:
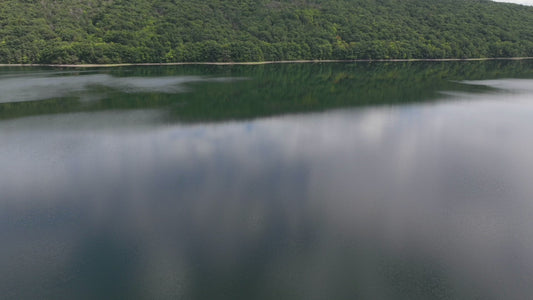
(116, 31)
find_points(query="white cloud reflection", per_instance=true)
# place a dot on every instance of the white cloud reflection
(34, 86)
(315, 204)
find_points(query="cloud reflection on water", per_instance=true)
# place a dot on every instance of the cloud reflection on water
(32, 87)
(388, 202)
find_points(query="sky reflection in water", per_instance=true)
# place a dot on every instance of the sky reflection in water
(399, 202)
(43, 86)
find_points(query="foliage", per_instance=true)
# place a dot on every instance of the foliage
(114, 31)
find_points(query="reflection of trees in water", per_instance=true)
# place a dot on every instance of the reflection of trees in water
(152, 217)
(278, 89)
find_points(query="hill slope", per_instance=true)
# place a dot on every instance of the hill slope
(111, 31)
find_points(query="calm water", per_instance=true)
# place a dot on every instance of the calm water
(318, 181)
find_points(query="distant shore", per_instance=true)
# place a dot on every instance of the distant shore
(258, 62)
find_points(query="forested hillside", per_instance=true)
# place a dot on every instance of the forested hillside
(113, 31)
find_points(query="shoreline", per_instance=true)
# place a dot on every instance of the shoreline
(261, 62)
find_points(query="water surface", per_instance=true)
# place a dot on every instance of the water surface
(320, 181)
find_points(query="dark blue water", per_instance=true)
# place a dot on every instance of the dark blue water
(124, 185)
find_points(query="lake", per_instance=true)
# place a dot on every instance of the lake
(287, 181)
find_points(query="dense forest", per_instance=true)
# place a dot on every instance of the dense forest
(115, 31)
